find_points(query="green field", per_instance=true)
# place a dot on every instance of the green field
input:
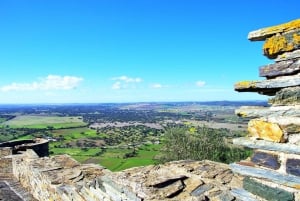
(112, 158)
(115, 162)
(42, 122)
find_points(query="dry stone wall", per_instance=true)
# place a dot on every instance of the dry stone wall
(61, 178)
(273, 172)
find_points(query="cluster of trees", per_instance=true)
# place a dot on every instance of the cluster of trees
(203, 143)
(129, 134)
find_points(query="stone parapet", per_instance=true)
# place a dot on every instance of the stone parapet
(60, 178)
(272, 172)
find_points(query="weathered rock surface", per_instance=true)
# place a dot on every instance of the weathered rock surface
(266, 145)
(278, 110)
(267, 192)
(293, 166)
(288, 67)
(288, 56)
(287, 96)
(268, 87)
(266, 159)
(281, 43)
(264, 33)
(243, 195)
(262, 129)
(285, 180)
(181, 180)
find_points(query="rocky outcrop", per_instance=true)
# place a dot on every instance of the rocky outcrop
(273, 173)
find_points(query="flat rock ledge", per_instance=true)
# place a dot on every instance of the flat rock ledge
(268, 87)
(264, 33)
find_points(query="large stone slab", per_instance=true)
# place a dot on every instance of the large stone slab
(266, 145)
(265, 130)
(268, 87)
(262, 34)
(242, 194)
(256, 111)
(288, 56)
(286, 96)
(288, 67)
(270, 175)
(267, 192)
(279, 44)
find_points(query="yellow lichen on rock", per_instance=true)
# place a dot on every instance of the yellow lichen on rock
(296, 38)
(245, 85)
(274, 44)
(265, 130)
(292, 25)
(279, 44)
(264, 33)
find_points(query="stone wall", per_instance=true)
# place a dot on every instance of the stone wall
(5, 151)
(6, 168)
(40, 146)
(273, 172)
(60, 178)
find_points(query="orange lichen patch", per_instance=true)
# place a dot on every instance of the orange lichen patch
(265, 130)
(274, 44)
(278, 44)
(292, 25)
(245, 85)
(264, 33)
(296, 38)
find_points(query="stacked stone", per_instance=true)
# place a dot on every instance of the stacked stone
(273, 171)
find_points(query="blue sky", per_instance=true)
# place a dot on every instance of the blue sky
(72, 51)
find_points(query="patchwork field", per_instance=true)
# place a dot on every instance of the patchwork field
(39, 122)
(112, 158)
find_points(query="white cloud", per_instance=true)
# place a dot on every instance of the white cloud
(123, 82)
(116, 85)
(200, 83)
(156, 86)
(51, 82)
(127, 79)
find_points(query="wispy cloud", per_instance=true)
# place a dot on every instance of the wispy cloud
(116, 85)
(156, 86)
(51, 82)
(123, 82)
(200, 83)
(127, 79)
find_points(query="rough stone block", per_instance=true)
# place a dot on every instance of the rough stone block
(201, 189)
(242, 195)
(288, 56)
(273, 176)
(266, 159)
(293, 166)
(281, 43)
(268, 87)
(286, 96)
(267, 192)
(265, 130)
(288, 67)
(278, 110)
